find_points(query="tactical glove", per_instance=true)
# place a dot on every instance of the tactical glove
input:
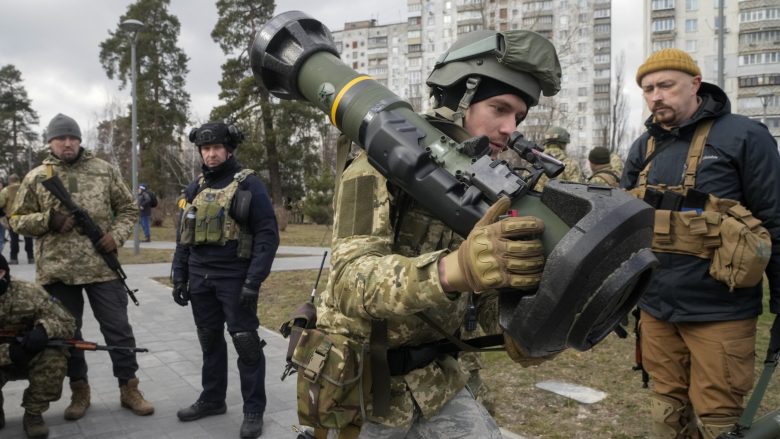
(35, 340)
(106, 244)
(519, 356)
(496, 254)
(181, 293)
(19, 355)
(248, 298)
(60, 222)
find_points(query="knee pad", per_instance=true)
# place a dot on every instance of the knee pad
(248, 346)
(671, 418)
(711, 428)
(208, 338)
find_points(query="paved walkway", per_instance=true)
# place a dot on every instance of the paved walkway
(169, 372)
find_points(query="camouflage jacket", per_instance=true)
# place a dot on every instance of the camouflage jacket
(605, 175)
(571, 173)
(97, 187)
(385, 266)
(7, 197)
(617, 164)
(25, 305)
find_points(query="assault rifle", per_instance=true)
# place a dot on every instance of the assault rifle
(88, 227)
(70, 343)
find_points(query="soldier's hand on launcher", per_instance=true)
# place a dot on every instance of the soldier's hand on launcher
(497, 253)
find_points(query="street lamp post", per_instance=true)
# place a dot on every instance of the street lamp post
(134, 26)
(765, 98)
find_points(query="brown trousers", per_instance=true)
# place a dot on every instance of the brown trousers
(707, 364)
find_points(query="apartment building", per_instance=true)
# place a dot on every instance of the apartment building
(750, 47)
(402, 55)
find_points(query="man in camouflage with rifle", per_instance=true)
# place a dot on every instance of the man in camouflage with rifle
(66, 260)
(27, 308)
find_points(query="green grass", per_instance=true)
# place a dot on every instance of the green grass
(296, 234)
(145, 256)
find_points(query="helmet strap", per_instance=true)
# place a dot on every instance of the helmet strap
(471, 88)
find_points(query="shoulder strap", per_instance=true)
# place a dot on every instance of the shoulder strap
(380, 369)
(609, 172)
(243, 174)
(695, 151)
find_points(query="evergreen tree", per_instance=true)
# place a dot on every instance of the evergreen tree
(17, 138)
(163, 103)
(281, 137)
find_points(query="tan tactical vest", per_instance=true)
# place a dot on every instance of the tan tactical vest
(724, 231)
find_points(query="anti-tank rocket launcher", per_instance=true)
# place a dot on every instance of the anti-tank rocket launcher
(597, 239)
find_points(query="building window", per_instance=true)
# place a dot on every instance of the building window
(601, 13)
(759, 58)
(663, 24)
(582, 91)
(690, 46)
(582, 107)
(759, 15)
(717, 22)
(760, 37)
(691, 5)
(691, 25)
(601, 59)
(601, 88)
(658, 5)
(662, 44)
(601, 28)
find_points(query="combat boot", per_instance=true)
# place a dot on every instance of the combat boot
(34, 426)
(201, 409)
(79, 400)
(252, 427)
(132, 398)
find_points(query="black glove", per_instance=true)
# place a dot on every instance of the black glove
(35, 340)
(248, 298)
(181, 293)
(60, 222)
(19, 355)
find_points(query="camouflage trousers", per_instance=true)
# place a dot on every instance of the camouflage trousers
(462, 417)
(45, 373)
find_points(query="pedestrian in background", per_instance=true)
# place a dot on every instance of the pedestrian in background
(7, 196)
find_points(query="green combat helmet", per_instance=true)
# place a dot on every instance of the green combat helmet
(557, 135)
(523, 60)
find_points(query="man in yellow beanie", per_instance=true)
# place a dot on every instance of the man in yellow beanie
(696, 161)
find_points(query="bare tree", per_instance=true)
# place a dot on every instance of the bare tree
(618, 123)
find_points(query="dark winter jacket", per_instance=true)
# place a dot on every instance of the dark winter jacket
(740, 162)
(145, 203)
(217, 262)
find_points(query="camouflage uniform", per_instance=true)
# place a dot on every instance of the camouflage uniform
(23, 306)
(605, 175)
(572, 171)
(616, 163)
(96, 186)
(384, 266)
(68, 262)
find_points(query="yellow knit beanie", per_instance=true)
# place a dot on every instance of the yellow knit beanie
(667, 59)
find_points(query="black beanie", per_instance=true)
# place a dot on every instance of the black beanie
(62, 125)
(487, 88)
(599, 156)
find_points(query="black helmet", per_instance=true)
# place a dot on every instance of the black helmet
(213, 133)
